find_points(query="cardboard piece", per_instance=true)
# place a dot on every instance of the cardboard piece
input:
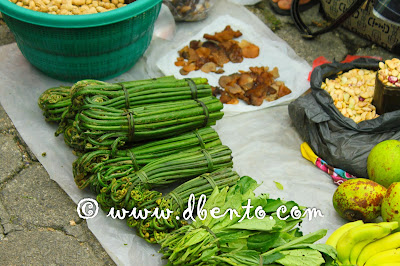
(365, 23)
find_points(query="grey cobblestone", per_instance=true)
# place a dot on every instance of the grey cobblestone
(11, 159)
(6, 221)
(33, 198)
(5, 121)
(45, 246)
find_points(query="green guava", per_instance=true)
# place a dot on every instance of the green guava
(390, 208)
(359, 199)
(383, 163)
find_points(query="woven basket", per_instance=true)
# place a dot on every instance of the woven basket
(76, 47)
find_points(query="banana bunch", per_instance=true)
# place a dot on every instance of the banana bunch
(367, 244)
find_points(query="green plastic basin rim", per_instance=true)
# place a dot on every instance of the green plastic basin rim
(76, 21)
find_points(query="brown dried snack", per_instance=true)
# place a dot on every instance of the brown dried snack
(246, 81)
(256, 95)
(225, 35)
(253, 87)
(228, 98)
(219, 57)
(265, 78)
(195, 44)
(249, 50)
(218, 50)
(213, 46)
(233, 51)
(209, 67)
(283, 90)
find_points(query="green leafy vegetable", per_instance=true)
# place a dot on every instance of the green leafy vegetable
(306, 257)
(278, 185)
(226, 241)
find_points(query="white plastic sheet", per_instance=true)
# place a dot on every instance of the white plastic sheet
(265, 146)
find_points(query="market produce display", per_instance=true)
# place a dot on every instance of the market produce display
(71, 7)
(134, 137)
(147, 146)
(383, 164)
(359, 199)
(363, 244)
(352, 93)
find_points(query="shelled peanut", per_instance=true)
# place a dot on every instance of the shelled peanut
(389, 72)
(352, 93)
(70, 7)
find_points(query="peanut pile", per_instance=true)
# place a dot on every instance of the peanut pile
(352, 93)
(70, 7)
(389, 72)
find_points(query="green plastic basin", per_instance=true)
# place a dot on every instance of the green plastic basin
(76, 47)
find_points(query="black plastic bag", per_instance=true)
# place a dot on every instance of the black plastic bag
(338, 140)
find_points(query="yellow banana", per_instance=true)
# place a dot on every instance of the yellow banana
(334, 237)
(308, 153)
(357, 234)
(391, 225)
(391, 256)
(387, 243)
(356, 250)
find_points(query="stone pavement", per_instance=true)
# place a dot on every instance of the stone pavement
(38, 221)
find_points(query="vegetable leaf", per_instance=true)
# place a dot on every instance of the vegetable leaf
(323, 248)
(263, 241)
(306, 239)
(278, 185)
(272, 258)
(265, 224)
(242, 257)
(306, 257)
(245, 184)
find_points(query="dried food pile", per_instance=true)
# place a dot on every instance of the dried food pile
(389, 72)
(253, 86)
(213, 54)
(352, 93)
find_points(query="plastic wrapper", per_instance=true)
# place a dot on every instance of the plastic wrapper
(338, 175)
(164, 27)
(189, 10)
